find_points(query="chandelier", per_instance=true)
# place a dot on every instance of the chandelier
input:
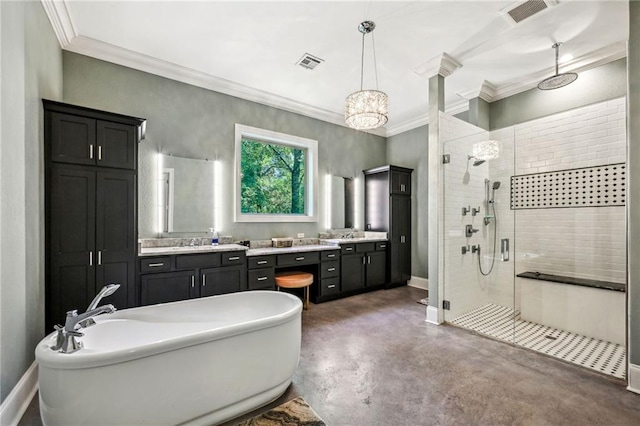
(367, 109)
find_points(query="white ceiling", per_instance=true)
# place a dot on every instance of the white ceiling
(249, 49)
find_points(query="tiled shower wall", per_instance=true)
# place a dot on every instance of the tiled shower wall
(586, 242)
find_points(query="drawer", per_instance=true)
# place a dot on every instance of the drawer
(231, 258)
(330, 255)
(155, 264)
(261, 261)
(348, 248)
(303, 258)
(365, 247)
(382, 245)
(203, 260)
(261, 279)
(330, 269)
(329, 287)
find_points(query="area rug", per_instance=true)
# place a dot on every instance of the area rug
(293, 413)
(424, 301)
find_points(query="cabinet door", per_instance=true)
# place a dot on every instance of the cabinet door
(167, 287)
(400, 183)
(352, 272)
(400, 235)
(71, 243)
(116, 145)
(376, 268)
(72, 139)
(222, 281)
(116, 235)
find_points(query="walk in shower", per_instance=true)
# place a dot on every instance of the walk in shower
(535, 235)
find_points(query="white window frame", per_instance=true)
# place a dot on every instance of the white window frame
(311, 174)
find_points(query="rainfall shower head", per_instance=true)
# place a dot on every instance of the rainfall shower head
(558, 80)
(476, 161)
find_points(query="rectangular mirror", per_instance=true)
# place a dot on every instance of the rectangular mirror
(342, 202)
(186, 192)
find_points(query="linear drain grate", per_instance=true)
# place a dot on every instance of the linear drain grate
(505, 324)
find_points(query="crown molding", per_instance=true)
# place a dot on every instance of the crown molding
(60, 19)
(486, 92)
(443, 64)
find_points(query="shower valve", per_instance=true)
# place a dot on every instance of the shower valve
(466, 210)
(475, 211)
(466, 249)
(469, 230)
(475, 248)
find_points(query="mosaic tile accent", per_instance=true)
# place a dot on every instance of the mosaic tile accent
(599, 186)
(504, 324)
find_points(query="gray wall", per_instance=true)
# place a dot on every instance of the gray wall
(189, 121)
(31, 69)
(606, 82)
(410, 149)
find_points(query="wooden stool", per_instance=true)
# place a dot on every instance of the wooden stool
(295, 279)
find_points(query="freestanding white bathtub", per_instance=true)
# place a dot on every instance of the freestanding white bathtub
(200, 361)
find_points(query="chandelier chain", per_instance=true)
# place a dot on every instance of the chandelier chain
(375, 62)
(362, 63)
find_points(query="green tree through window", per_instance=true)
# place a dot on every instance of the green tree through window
(272, 178)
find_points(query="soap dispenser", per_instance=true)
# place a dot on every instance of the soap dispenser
(214, 237)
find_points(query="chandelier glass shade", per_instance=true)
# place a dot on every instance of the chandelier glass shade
(486, 150)
(366, 109)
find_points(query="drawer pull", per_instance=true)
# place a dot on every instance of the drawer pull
(331, 286)
(262, 278)
(383, 246)
(155, 265)
(331, 269)
(348, 249)
(204, 280)
(192, 281)
(331, 255)
(262, 262)
(300, 258)
(234, 258)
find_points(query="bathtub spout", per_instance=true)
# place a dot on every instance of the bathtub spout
(74, 320)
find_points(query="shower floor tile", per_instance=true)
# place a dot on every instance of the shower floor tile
(498, 322)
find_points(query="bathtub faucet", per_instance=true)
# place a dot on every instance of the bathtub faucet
(66, 338)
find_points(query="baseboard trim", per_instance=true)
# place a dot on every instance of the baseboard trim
(634, 378)
(418, 282)
(432, 315)
(17, 402)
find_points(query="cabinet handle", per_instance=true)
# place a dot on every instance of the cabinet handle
(402, 187)
(369, 259)
(331, 269)
(300, 258)
(90, 258)
(91, 151)
(155, 265)
(192, 281)
(234, 258)
(364, 260)
(331, 286)
(262, 262)
(348, 249)
(204, 280)
(99, 257)
(262, 278)
(99, 152)
(331, 255)
(383, 246)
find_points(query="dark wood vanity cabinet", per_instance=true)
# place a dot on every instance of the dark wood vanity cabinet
(363, 265)
(185, 276)
(261, 274)
(90, 209)
(388, 209)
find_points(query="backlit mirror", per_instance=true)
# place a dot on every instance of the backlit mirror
(186, 194)
(341, 202)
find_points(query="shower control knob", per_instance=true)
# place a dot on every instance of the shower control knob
(466, 210)
(475, 211)
(469, 230)
(475, 249)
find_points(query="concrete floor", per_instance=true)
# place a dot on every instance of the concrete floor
(372, 360)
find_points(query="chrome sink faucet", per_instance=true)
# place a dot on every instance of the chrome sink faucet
(66, 338)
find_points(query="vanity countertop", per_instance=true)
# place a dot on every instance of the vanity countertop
(295, 249)
(156, 251)
(337, 241)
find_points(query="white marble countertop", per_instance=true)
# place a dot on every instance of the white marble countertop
(294, 249)
(352, 240)
(156, 251)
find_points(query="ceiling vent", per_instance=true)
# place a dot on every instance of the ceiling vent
(520, 11)
(309, 61)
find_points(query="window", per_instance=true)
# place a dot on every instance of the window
(276, 177)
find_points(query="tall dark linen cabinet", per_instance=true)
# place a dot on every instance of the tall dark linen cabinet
(387, 200)
(90, 207)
